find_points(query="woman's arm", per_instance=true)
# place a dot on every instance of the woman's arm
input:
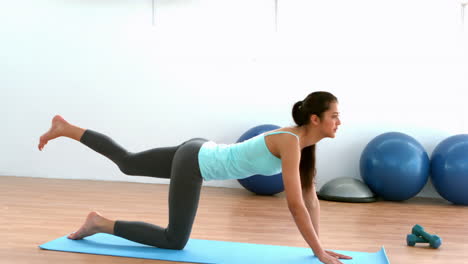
(313, 206)
(290, 157)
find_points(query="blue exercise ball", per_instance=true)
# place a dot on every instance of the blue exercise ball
(259, 184)
(449, 169)
(395, 166)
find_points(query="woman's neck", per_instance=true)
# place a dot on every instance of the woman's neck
(308, 136)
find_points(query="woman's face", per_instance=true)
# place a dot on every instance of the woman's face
(330, 121)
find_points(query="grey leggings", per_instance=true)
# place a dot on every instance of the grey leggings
(180, 164)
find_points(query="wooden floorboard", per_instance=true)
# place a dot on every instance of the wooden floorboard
(35, 211)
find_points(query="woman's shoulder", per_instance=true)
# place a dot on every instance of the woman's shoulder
(283, 131)
(281, 141)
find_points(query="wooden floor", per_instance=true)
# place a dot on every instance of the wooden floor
(35, 211)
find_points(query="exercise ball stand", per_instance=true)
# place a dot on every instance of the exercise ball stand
(346, 189)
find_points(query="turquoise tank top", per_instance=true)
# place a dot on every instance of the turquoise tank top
(239, 160)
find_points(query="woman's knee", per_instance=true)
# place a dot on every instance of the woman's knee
(125, 165)
(179, 245)
(177, 241)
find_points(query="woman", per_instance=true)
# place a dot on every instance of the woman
(289, 149)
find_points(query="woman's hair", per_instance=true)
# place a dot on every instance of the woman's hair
(315, 103)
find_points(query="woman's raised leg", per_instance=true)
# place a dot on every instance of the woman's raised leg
(154, 162)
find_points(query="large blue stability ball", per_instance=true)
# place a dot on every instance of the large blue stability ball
(395, 166)
(449, 169)
(259, 184)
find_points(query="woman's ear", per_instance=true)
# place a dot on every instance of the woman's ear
(314, 119)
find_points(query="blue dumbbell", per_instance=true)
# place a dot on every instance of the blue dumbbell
(434, 241)
(412, 239)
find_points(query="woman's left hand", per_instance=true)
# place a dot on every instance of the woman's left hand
(336, 255)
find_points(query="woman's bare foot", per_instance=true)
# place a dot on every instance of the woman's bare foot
(60, 127)
(55, 131)
(95, 223)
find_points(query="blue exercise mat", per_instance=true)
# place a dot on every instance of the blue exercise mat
(205, 251)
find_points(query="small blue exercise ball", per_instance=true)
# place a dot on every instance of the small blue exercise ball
(449, 169)
(259, 184)
(395, 166)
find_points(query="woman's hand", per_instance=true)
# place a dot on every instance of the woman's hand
(336, 255)
(330, 257)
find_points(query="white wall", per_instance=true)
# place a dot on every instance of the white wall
(216, 68)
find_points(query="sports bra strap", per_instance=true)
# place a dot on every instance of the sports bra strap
(282, 132)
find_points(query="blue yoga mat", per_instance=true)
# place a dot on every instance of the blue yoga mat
(205, 251)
